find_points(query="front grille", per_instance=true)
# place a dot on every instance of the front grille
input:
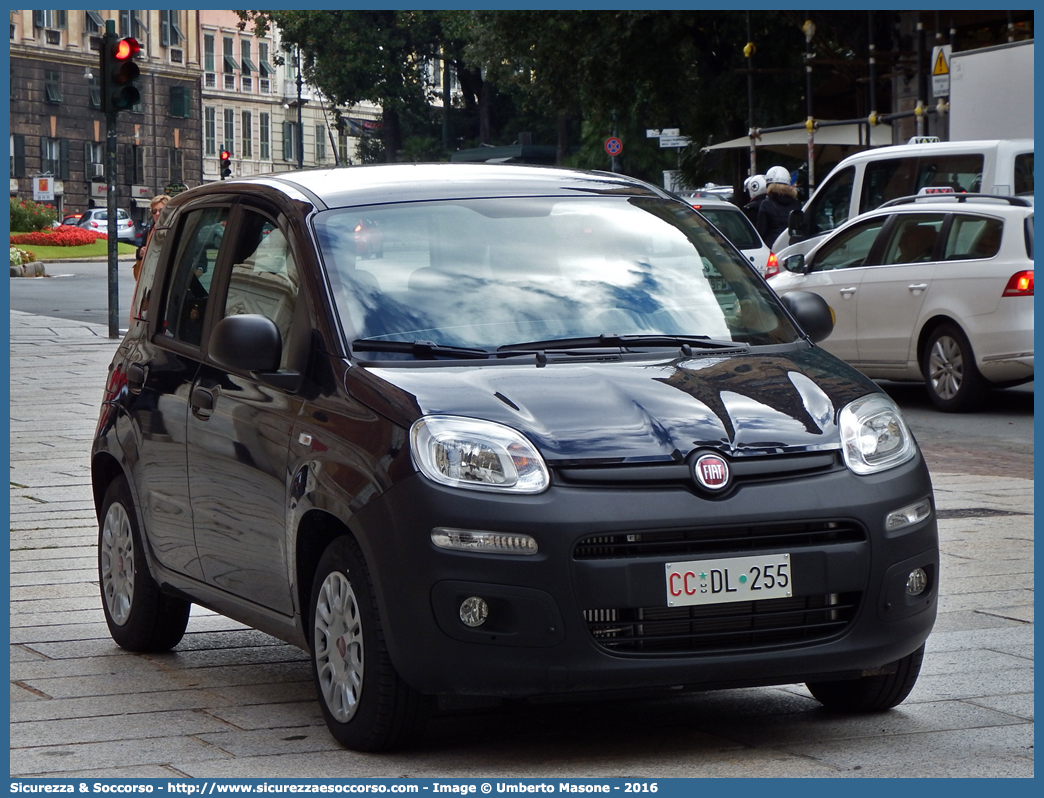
(715, 540)
(722, 627)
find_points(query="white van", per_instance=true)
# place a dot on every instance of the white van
(863, 181)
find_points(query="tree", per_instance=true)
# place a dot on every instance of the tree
(357, 56)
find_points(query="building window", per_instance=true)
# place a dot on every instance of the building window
(230, 130)
(93, 22)
(17, 155)
(94, 92)
(248, 140)
(208, 52)
(53, 87)
(262, 60)
(342, 147)
(49, 19)
(176, 167)
(320, 143)
(54, 157)
(137, 164)
(265, 131)
(229, 60)
(230, 82)
(93, 160)
(131, 24)
(244, 53)
(170, 33)
(181, 102)
(288, 141)
(210, 130)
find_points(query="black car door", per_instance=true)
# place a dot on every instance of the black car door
(239, 427)
(164, 370)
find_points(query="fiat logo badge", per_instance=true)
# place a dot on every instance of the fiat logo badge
(711, 471)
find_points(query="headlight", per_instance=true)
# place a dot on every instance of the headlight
(482, 455)
(874, 436)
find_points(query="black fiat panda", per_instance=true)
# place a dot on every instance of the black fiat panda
(475, 430)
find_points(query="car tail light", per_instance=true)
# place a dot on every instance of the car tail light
(1020, 284)
(773, 265)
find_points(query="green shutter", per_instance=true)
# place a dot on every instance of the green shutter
(63, 159)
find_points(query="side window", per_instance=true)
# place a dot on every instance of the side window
(885, 180)
(264, 277)
(851, 248)
(831, 205)
(959, 172)
(912, 238)
(201, 235)
(1024, 173)
(973, 237)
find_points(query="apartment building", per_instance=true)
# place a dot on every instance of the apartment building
(58, 129)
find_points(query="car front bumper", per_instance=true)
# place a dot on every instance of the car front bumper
(576, 618)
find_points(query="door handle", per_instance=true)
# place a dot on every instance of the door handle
(136, 376)
(918, 287)
(202, 398)
(847, 292)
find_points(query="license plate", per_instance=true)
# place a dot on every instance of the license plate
(730, 579)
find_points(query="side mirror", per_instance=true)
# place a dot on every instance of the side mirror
(246, 342)
(811, 312)
(796, 220)
(795, 263)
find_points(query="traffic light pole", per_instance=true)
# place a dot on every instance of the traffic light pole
(110, 203)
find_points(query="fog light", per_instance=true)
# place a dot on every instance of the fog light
(908, 515)
(916, 582)
(474, 611)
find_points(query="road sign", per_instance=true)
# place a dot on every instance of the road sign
(613, 145)
(674, 141)
(652, 133)
(941, 70)
(671, 131)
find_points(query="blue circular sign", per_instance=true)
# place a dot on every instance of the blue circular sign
(613, 145)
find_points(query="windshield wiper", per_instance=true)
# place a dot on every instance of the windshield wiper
(638, 339)
(422, 350)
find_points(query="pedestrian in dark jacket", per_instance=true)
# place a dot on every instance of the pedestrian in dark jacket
(781, 199)
(755, 186)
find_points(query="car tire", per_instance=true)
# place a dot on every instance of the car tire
(870, 693)
(139, 616)
(367, 706)
(953, 380)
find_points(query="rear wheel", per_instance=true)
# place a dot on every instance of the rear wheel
(139, 616)
(950, 374)
(870, 693)
(366, 704)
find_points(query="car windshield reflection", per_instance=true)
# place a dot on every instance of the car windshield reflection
(495, 272)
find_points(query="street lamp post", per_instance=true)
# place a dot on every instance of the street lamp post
(300, 115)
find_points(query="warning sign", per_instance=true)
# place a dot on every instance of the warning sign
(941, 70)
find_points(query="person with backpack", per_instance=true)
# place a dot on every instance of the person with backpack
(780, 200)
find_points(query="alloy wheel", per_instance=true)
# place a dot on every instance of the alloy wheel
(339, 647)
(946, 367)
(117, 563)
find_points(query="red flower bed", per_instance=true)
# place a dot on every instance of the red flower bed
(64, 236)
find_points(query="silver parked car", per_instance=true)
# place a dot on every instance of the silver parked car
(97, 220)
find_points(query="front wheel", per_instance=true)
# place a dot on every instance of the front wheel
(366, 704)
(950, 374)
(870, 693)
(139, 616)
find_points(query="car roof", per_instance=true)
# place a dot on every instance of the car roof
(390, 183)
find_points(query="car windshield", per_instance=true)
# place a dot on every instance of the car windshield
(489, 273)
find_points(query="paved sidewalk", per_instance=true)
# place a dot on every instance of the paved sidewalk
(232, 702)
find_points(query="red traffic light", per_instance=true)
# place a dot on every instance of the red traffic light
(225, 155)
(226, 164)
(125, 48)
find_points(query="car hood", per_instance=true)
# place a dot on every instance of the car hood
(647, 411)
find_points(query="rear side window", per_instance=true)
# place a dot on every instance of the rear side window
(900, 177)
(1024, 173)
(973, 237)
(734, 225)
(912, 238)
